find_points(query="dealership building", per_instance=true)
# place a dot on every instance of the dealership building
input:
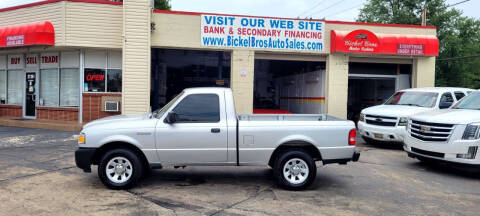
(80, 60)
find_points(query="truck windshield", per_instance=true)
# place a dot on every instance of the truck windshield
(420, 99)
(471, 101)
(159, 112)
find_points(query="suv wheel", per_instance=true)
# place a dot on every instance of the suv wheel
(120, 169)
(295, 170)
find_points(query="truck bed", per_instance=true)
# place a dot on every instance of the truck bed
(288, 117)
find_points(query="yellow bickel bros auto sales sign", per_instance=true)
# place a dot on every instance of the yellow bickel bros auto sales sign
(262, 33)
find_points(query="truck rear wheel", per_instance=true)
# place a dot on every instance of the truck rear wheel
(120, 169)
(295, 170)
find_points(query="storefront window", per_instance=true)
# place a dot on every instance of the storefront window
(94, 80)
(15, 87)
(174, 70)
(114, 82)
(69, 79)
(102, 71)
(3, 86)
(49, 87)
(288, 86)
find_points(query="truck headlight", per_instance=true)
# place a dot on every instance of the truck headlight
(403, 121)
(362, 117)
(471, 131)
(81, 138)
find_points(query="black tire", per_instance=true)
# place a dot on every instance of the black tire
(136, 166)
(283, 159)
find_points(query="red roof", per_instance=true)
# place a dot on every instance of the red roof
(41, 33)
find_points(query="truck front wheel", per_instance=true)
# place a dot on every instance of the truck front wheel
(295, 170)
(120, 169)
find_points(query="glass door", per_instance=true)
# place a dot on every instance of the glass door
(30, 96)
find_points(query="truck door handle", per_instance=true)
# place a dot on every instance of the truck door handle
(215, 130)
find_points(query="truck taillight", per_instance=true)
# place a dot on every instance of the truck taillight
(351, 137)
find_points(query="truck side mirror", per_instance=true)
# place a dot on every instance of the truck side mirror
(171, 118)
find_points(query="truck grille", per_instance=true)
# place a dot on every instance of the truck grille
(381, 120)
(427, 131)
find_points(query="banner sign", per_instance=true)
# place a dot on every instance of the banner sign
(364, 41)
(361, 41)
(411, 49)
(16, 40)
(262, 33)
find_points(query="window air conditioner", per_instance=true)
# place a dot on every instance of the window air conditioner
(111, 106)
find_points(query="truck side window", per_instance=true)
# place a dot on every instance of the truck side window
(198, 108)
(446, 100)
(459, 95)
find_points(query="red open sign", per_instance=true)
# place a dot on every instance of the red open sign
(95, 77)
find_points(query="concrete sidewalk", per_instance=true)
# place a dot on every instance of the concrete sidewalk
(42, 124)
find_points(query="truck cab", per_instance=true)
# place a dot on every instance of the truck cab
(387, 122)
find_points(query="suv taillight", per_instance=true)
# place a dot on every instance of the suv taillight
(351, 137)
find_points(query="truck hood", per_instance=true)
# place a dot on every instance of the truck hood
(395, 110)
(115, 119)
(450, 116)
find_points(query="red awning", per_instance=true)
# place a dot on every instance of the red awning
(364, 41)
(41, 33)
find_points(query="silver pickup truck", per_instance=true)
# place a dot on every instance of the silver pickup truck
(199, 127)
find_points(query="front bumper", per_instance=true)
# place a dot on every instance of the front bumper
(442, 151)
(463, 166)
(388, 134)
(84, 158)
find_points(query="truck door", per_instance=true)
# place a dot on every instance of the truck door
(199, 133)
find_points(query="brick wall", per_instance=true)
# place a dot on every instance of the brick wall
(92, 106)
(10, 110)
(92, 109)
(57, 113)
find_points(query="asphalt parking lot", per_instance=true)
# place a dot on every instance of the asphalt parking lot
(38, 177)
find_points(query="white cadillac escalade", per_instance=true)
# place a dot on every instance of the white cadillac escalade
(387, 122)
(451, 135)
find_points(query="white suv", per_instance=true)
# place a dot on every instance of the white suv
(451, 135)
(387, 122)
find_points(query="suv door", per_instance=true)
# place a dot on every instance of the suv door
(199, 133)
